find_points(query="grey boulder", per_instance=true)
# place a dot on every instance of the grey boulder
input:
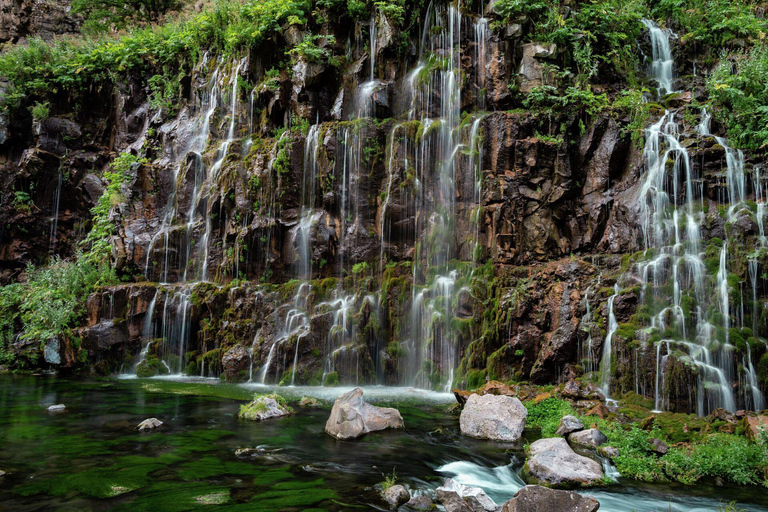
(534, 498)
(58, 407)
(568, 425)
(420, 503)
(496, 417)
(395, 496)
(554, 463)
(591, 438)
(456, 497)
(352, 417)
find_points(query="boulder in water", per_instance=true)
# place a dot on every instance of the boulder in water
(456, 497)
(2, 473)
(534, 498)
(420, 503)
(496, 417)
(554, 463)
(57, 407)
(308, 401)
(264, 407)
(591, 438)
(149, 424)
(568, 425)
(352, 417)
(395, 495)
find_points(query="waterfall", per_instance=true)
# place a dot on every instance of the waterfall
(55, 210)
(605, 363)
(663, 63)
(675, 284)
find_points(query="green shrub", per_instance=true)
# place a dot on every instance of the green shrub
(741, 97)
(546, 415)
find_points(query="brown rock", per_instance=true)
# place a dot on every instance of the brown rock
(495, 388)
(754, 424)
(658, 446)
(600, 410)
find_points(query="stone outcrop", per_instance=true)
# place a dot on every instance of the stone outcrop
(495, 417)
(21, 19)
(568, 425)
(590, 438)
(456, 497)
(534, 498)
(553, 463)
(351, 417)
(395, 496)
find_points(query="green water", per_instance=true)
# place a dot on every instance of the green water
(91, 458)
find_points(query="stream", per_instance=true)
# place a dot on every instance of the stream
(90, 457)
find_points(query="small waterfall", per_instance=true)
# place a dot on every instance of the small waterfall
(481, 59)
(605, 363)
(663, 63)
(147, 332)
(675, 284)
(55, 210)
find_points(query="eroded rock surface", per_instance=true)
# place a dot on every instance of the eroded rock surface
(552, 462)
(535, 498)
(495, 417)
(352, 417)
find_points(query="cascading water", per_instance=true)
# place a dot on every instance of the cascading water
(675, 285)
(178, 253)
(605, 363)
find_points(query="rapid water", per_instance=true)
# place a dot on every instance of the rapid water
(90, 457)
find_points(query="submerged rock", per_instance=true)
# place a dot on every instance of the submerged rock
(395, 496)
(262, 408)
(496, 417)
(352, 417)
(554, 463)
(456, 497)
(568, 425)
(58, 407)
(149, 424)
(591, 438)
(534, 498)
(421, 503)
(308, 401)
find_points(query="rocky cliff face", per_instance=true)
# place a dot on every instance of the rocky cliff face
(394, 218)
(22, 19)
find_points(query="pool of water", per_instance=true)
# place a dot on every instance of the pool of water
(91, 458)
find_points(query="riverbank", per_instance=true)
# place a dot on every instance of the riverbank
(90, 457)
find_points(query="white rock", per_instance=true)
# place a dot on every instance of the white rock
(554, 463)
(351, 417)
(58, 407)
(496, 417)
(149, 424)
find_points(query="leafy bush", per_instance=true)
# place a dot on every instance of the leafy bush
(712, 23)
(739, 91)
(99, 239)
(104, 15)
(54, 299)
(546, 415)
